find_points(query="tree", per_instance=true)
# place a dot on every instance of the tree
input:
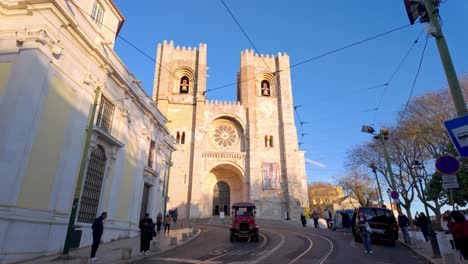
(361, 185)
(321, 195)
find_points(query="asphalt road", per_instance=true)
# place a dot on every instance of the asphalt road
(281, 245)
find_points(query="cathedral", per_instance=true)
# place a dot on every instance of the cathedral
(229, 152)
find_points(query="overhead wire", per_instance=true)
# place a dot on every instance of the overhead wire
(414, 83)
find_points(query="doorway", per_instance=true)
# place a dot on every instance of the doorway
(221, 198)
(144, 200)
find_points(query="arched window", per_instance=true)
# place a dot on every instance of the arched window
(265, 88)
(184, 85)
(92, 186)
(178, 137)
(182, 140)
(271, 141)
(266, 141)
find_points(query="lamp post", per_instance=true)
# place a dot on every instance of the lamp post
(374, 170)
(389, 193)
(418, 168)
(383, 136)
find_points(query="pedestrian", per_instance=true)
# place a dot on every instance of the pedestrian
(147, 233)
(315, 216)
(459, 229)
(403, 223)
(167, 224)
(98, 230)
(303, 220)
(445, 221)
(174, 217)
(364, 231)
(423, 223)
(159, 222)
(328, 217)
(346, 223)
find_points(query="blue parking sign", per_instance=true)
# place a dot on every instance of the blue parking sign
(458, 131)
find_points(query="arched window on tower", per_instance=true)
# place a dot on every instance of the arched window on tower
(271, 141)
(178, 137)
(266, 141)
(265, 86)
(184, 85)
(182, 140)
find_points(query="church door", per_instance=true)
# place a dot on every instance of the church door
(221, 198)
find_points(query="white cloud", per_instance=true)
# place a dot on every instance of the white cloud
(316, 163)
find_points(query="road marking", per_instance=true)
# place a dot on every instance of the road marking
(305, 252)
(178, 260)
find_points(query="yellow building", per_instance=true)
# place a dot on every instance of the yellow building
(53, 57)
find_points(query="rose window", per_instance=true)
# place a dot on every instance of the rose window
(225, 136)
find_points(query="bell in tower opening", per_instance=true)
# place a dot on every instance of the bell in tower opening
(265, 88)
(184, 85)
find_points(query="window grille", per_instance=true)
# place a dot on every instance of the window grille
(151, 154)
(92, 186)
(97, 14)
(105, 114)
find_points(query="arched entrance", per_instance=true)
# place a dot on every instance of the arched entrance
(221, 198)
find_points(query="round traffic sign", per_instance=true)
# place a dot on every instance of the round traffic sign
(447, 165)
(394, 195)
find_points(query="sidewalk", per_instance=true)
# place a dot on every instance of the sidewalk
(424, 248)
(111, 252)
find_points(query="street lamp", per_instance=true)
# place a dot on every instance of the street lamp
(419, 174)
(374, 170)
(382, 136)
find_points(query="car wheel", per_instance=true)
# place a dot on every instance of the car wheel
(357, 238)
(392, 243)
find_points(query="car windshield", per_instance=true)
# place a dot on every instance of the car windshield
(376, 214)
(248, 211)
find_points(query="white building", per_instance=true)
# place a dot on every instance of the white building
(53, 57)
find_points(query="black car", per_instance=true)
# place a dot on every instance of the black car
(381, 220)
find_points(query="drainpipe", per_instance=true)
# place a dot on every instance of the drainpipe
(79, 183)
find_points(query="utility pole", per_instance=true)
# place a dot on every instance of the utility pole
(454, 85)
(374, 170)
(79, 182)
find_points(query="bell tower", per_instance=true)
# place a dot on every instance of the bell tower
(265, 91)
(179, 89)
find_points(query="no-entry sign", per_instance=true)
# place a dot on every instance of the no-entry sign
(447, 165)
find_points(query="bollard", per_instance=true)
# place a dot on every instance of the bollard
(155, 246)
(173, 241)
(126, 253)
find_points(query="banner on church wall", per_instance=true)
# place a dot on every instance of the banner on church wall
(270, 176)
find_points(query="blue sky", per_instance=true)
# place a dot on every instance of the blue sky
(332, 90)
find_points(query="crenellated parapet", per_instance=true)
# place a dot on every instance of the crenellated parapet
(249, 57)
(220, 106)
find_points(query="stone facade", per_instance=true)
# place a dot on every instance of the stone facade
(53, 59)
(249, 145)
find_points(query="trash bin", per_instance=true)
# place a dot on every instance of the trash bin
(75, 238)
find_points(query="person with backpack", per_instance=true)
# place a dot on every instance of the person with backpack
(147, 233)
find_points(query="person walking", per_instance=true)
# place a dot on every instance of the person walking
(147, 233)
(459, 229)
(403, 223)
(422, 222)
(364, 232)
(346, 223)
(158, 222)
(98, 230)
(315, 216)
(445, 220)
(303, 220)
(328, 217)
(167, 224)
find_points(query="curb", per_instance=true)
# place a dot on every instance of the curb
(429, 259)
(153, 254)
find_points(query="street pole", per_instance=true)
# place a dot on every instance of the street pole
(378, 185)
(430, 230)
(450, 73)
(79, 183)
